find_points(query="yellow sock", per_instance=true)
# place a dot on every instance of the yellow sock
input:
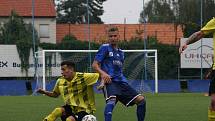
(211, 115)
(57, 112)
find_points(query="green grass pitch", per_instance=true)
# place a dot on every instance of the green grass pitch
(160, 107)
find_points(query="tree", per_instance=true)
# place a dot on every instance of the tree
(189, 14)
(15, 31)
(190, 10)
(75, 11)
(157, 11)
(208, 10)
(181, 12)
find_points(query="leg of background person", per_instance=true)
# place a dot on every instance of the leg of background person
(109, 109)
(211, 115)
(213, 101)
(211, 110)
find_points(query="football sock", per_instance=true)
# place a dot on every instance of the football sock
(141, 110)
(211, 115)
(108, 109)
(57, 112)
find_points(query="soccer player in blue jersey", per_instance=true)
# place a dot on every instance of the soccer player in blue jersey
(108, 63)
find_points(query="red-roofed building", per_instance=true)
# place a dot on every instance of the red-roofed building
(50, 32)
(45, 16)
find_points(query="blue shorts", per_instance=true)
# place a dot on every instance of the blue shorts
(122, 91)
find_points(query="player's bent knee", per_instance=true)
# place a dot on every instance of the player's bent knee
(62, 110)
(142, 102)
(70, 118)
(139, 99)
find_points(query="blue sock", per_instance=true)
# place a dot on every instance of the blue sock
(108, 110)
(141, 110)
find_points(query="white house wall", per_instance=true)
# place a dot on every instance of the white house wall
(37, 22)
(52, 28)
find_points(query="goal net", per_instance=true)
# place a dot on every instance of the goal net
(140, 67)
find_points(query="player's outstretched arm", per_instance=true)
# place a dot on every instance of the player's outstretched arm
(104, 76)
(48, 93)
(193, 38)
(182, 48)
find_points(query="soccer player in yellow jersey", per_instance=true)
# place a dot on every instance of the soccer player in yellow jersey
(209, 28)
(77, 92)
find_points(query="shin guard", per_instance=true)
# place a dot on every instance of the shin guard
(108, 110)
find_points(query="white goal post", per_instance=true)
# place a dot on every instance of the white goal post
(137, 55)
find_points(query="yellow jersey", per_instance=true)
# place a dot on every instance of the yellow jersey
(210, 28)
(78, 92)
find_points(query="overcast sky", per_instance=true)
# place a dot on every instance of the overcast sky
(116, 10)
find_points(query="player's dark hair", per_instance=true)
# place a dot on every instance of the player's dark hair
(113, 29)
(70, 64)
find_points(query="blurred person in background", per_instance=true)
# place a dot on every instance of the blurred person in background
(209, 28)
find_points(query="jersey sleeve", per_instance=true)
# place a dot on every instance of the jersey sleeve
(100, 55)
(91, 78)
(56, 87)
(209, 27)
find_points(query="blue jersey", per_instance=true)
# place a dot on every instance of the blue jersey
(111, 61)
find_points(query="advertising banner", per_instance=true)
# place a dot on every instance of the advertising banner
(198, 54)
